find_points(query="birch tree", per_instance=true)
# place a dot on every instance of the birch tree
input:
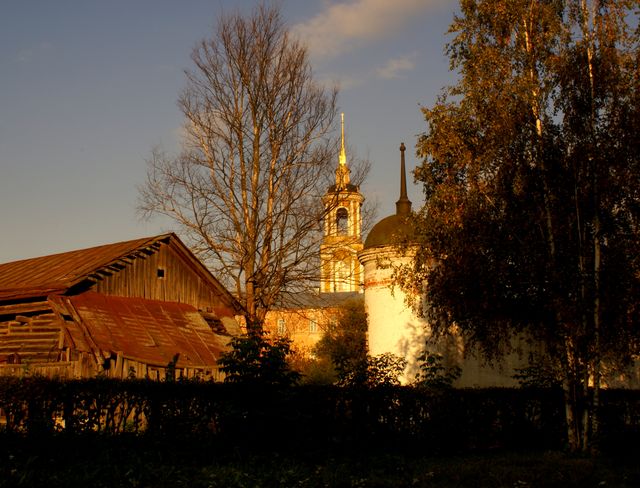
(531, 171)
(259, 152)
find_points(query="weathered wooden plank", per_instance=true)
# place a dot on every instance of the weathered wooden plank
(19, 308)
(40, 357)
(17, 327)
(48, 330)
(50, 317)
(51, 340)
(43, 368)
(20, 332)
(119, 364)
(45, 323)
(27, 347)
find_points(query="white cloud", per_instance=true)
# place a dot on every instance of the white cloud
(396, 66)
(343, 82)
(344, 26)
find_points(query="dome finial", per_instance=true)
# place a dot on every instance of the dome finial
(403, 205)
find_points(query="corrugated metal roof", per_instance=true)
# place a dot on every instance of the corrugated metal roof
(48, 274)
(147, 331)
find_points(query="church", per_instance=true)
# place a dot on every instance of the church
(305, 318)
(394, 327)
(353, 268)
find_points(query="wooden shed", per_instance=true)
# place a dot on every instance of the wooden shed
(138, 308)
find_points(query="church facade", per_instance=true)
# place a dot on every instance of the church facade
(353, 268)
(304, 318)
(340, 270)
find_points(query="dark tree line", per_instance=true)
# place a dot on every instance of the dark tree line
(531, 173)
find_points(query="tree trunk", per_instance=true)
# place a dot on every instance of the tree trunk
(573, 434)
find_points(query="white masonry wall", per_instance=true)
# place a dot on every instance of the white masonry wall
(394, 328)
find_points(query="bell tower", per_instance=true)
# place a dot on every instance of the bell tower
(340, 269)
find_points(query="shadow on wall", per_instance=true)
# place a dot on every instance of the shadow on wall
(476, 372)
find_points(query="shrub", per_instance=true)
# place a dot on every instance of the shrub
(253, 359)
(433, 374)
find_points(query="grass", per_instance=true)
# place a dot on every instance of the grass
(131, 463)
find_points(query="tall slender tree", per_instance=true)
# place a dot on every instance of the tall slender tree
(258, 154)
(531, 171)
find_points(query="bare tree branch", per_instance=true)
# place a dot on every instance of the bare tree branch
(258, 154)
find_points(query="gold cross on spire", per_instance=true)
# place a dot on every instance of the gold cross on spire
(343, 153)
(342, 171)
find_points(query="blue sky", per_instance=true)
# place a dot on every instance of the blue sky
(89, 87)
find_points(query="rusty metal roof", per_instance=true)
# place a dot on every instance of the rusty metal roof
(148, 331)
(57, 272)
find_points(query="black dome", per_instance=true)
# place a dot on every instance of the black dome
(397, 228)
(394, 229)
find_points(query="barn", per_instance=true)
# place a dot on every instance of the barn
(143, 308)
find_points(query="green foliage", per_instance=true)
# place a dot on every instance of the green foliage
(315, 371)
(255, 359)
(344, 344)
(231, 419)
(385, 369)
(433, 374)
(531, 165)
(538, 374)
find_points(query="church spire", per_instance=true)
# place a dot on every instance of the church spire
(403, 205)
(342, 172)
(343, 153)
(340, 269)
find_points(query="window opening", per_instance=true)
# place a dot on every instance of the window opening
(282, 328)
(313, 326)
(342, 221)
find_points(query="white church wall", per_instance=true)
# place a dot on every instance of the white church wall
(393, 327)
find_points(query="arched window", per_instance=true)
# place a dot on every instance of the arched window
(282, 327)
(342, 221)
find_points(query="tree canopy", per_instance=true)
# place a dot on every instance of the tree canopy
(531, 173)
(344, 344)
(257, 360)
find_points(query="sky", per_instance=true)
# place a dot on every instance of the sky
(89, 87)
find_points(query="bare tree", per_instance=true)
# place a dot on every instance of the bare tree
(258, 154)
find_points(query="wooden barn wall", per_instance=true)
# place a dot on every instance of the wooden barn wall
(123, 367)
(180, 283)
(29, 333)
(83, 365)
